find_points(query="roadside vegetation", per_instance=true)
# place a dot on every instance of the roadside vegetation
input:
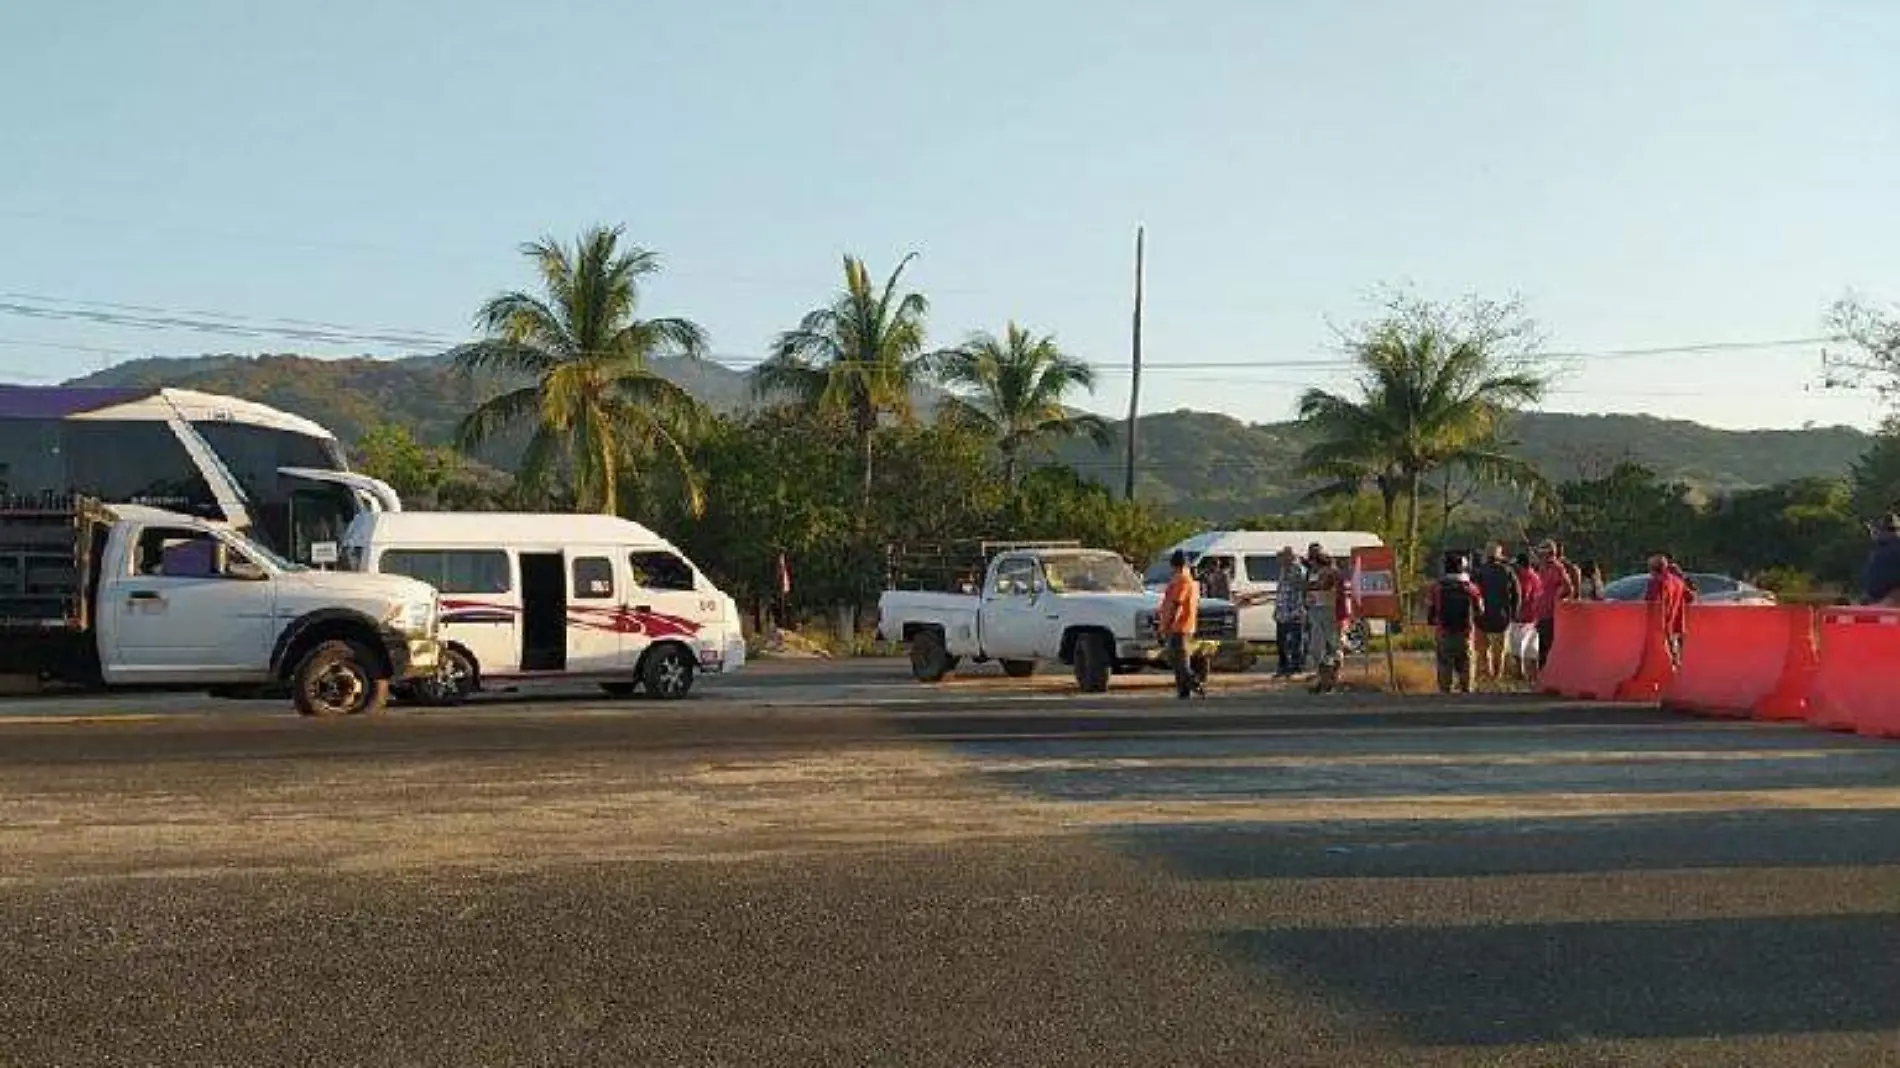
(860, 431)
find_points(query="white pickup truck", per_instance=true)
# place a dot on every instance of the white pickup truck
(1082, 607)
(125, 595)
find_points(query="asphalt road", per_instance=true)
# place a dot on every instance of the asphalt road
(828, 865)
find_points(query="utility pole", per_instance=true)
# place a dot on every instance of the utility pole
(1134, 384)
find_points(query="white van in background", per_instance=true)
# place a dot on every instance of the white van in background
(554, 598)
(1253, 558)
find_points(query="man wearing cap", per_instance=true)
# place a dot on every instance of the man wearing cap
(1325, 603)
(1289, 615)
(1880, 582)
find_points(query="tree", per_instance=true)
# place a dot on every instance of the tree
(1020, 382)
(595, 408)
(414, 470)
(1435, 386)
(859, 357)
(1875, 331)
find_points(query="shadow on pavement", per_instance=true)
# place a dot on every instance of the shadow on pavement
(1568, 982)
(1466, 848)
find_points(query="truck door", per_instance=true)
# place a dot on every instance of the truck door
(1012, 620)
(194, 607)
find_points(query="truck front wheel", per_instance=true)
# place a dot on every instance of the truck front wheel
(338, 678)
(930, 659)
(1094, 660)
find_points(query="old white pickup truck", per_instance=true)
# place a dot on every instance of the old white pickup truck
(1082, 607)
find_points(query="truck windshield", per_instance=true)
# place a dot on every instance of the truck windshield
(1090, 573)
(257, 549)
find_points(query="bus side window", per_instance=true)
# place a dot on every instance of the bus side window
(593, 578)
(660, 570)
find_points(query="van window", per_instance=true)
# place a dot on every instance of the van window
(593, 578)
(1263, 569)
(451, 570)
(659, 570)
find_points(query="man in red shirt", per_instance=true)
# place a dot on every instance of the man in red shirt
(1554, 587)
(1523, 640)
(1668, 588)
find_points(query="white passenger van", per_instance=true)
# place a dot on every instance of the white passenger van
(554, 598)
(1253, 558)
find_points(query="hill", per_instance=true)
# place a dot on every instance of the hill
(1199, 463)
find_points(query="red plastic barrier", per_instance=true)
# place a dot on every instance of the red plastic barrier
(1607, 650)
(1789, 698)
(1735, 657)
(1854, 681)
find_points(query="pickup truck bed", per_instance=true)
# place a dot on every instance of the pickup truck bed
(49, 565)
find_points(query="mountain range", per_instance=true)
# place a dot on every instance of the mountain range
(1204, 464)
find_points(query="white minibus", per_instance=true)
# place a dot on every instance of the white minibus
(1252, 557)
(531, 598)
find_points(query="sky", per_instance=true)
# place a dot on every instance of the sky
(1643, 173)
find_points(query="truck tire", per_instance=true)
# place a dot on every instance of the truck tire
(930, 660)
(1094, 662)
(668, 672)
(1019, 669)
(338, 678)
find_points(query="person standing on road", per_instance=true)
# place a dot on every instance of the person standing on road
(1325, 591)
(1523, 634)
(1289, 615)
(1454, 605)
(1880, 580)
(1590, 582)
(1669, 589)
(1216, 582)
(1554, 586)
(1503, 597)
(1177, 621)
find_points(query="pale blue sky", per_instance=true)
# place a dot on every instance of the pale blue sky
(1644, 173)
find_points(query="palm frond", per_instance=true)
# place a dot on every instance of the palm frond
(496, 415)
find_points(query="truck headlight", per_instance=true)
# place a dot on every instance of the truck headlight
(415, 618)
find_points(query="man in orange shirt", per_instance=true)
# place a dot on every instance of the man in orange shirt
(1179, 617)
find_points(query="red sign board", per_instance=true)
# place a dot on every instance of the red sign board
(1375, 582)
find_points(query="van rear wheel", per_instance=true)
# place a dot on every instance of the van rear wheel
(338, 678)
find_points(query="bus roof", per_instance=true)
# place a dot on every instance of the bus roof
(500, 529)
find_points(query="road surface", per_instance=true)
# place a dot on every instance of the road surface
(829, 865)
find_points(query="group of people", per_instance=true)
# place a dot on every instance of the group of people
(1504, 611)
(1310, 607)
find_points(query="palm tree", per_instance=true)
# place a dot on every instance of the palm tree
(1429, 399)
(858, 357)
(1019, 382)
(595, 405)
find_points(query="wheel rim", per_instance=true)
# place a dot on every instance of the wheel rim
(338, 687)
(672, 674)
(455, 677)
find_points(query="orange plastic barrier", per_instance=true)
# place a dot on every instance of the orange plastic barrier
(1735, 658)
(1853, 682)
(1607, 650)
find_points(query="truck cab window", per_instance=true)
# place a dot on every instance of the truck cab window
(656, 570)
(165, 552)
(1015, 578)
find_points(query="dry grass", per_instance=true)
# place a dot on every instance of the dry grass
(1416, 673)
